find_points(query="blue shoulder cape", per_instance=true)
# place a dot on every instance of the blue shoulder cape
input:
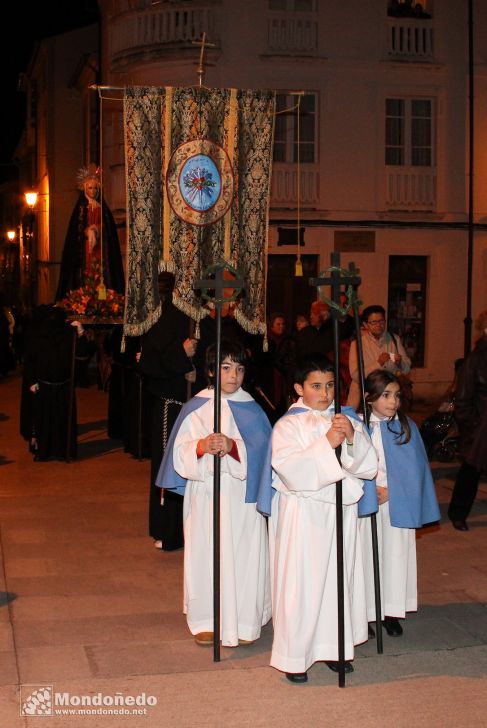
(255, 429)
(412, 495)
(266, 491)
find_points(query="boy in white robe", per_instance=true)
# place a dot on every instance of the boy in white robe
(302, 526)
(241, 445)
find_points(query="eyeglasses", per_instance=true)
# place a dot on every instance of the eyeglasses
(376, 323)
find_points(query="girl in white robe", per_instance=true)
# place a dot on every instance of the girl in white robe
(302, 526)
(404, 476)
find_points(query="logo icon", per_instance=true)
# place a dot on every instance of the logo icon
(200, 185)
(36, 700)
(200, 182)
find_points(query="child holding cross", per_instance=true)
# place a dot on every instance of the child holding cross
(302, 526)
(187, 467)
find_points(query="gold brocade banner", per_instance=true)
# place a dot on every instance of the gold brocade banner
(198, 165)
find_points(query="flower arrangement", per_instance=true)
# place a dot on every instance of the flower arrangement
(91, 302)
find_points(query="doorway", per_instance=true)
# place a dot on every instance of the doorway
(407, 303)
(287, 293)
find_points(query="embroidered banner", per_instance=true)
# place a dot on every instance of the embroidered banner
(198, 170)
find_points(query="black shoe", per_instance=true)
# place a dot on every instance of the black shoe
(371, 631)
(335, 666)
(297, 677)
(460, 525)
(392, 626)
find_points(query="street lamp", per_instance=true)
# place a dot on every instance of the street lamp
(31, 199)
(9, 264)
(28, 272)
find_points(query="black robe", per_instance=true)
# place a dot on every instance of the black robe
(253, 345)
(48, 363)
(7, 360)
(274, 370)
(163, 364)
(128, 405)
(313, 340)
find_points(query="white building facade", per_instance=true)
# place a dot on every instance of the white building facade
(381, 161)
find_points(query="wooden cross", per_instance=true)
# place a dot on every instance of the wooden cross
(203, 43)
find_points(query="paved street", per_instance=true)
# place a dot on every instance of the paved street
(89, 607)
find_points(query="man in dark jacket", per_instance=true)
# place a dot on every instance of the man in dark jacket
(471, 415)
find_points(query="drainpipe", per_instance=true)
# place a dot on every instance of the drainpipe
(468, 318)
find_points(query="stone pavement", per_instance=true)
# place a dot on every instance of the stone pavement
(89, 607)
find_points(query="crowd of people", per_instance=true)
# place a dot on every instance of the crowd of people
(277, 447)
(159, 372)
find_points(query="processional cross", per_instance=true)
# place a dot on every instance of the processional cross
(340, 277)
(203, 43)
(219, 284)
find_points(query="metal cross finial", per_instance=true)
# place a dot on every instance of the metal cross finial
(203, 43)
(219, 284)
(338, 277)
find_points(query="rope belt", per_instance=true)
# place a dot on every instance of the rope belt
(54, 384)
(165, 416)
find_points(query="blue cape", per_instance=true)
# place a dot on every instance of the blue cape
(255, 429)
(266, 491)
(412, 495)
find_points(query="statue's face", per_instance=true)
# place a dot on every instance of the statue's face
(92, 189)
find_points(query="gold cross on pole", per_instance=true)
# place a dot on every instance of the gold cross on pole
(203, 43)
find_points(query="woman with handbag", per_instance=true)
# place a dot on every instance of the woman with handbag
(382, 350)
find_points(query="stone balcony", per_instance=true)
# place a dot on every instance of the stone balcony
(160, 30)
(410, 39)
(410, 188)
(292, 34)
(284, 187)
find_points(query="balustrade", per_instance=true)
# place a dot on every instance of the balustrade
(410, 188)
(284, 186)
(159, 26)
(293, 34)
(410, 38)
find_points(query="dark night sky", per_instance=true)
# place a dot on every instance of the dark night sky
(24, 22)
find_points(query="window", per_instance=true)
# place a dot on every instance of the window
(409, 126)
(409, 9)
(286, 129)
(301, 6)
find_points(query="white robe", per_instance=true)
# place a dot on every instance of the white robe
(397, 552)
(245, 588)
(302, 532)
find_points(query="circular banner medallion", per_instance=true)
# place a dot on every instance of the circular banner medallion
(199, 182)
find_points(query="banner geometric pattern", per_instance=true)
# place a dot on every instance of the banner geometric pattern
(198, 171)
